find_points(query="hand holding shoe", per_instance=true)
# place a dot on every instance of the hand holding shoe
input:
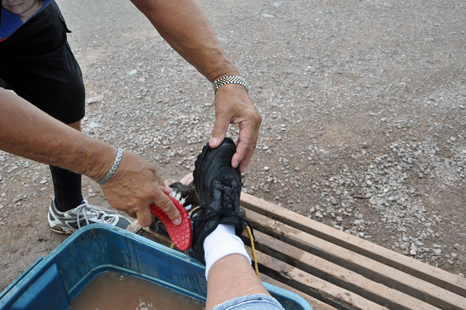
(233, 106)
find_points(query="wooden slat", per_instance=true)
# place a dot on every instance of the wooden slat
(134, 227)
(360, 264)
(187, 179)
(338, 275)
(385, 256)
(312, 285)
(315, 303)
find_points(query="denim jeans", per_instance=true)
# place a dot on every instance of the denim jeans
(251, 302)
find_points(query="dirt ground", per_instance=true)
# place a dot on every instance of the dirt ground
(363, 104)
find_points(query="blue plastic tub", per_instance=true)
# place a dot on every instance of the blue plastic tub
(52, 282)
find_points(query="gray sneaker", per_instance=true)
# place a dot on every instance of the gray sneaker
(84, 214)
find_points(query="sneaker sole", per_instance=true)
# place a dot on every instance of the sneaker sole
(61, 230)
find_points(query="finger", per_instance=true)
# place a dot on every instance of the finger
(219, 131)
(144, 217)
(246, 146)
(241, 151)
(245, 162)
(242, 157)
(166, 189)
(169, 208)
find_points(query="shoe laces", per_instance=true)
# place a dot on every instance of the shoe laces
(99, 214)
(228, 192)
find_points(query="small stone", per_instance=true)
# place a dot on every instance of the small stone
(266, 168)
(132, 72)
(453, 139)
(437, 252)
(319, 215)
(457, 246)
(95, 99)
(93, 125)
(413, 249)
(339, 219)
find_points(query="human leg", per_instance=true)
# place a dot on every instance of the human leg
(231, 282)
(67, 184)
(38, 65)
(36, 62)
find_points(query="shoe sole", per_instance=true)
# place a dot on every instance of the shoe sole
(61, 230)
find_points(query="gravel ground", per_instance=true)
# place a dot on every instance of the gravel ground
(363, 106)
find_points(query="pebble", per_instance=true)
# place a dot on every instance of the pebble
(437, 252)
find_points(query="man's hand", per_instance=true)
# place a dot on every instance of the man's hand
(233, 106)
(135, 186)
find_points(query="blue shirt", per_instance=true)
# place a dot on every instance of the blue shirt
(10, 22)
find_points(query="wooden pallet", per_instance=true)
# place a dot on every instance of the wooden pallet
(334, 270)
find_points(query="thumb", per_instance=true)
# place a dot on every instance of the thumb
(167, 206)
(219, 131)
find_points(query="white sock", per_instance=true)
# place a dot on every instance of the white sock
(220, 243)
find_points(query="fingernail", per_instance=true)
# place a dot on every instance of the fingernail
(235, 164)
(177, 222)
(213, 141)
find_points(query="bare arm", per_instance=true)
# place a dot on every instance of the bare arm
(28, 132)
(183, 24)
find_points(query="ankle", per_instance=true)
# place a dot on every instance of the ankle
(220, 243)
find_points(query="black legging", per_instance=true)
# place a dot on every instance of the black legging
(37, 64)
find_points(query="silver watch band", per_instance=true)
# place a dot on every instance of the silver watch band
(230, 79)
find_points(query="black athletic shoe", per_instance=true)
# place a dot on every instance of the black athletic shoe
(218, 185)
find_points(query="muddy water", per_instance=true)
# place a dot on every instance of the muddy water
(113, 291)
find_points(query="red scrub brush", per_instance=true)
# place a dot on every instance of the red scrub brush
(181, 235)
